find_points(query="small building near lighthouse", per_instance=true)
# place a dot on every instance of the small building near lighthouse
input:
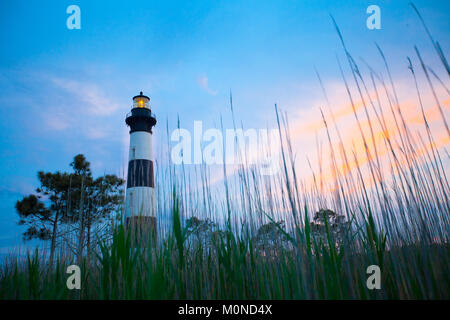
(140, 194)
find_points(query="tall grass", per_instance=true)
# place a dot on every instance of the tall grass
(397, 205)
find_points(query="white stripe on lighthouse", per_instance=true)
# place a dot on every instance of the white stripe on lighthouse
(140, 146)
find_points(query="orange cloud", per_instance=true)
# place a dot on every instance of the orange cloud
(386, 133)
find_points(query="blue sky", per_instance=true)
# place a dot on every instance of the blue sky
(64, 92)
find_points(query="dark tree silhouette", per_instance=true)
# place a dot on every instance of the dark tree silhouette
(104, 195)
(271, 237)
(70, 199)
(43, 221)
(204, 232)
(336, 224)
(33, 212)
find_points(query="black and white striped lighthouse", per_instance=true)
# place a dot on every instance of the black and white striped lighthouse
(140, 196)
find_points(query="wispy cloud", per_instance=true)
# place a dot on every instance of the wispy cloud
(56, 122)
(203, 82)
(96, 133)
(96, 101)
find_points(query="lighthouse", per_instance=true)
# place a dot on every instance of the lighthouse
(140, 195)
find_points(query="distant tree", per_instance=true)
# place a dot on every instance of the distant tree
(82, 174)
(336, 223)
(33, 213)
(270, 238)
(104, 196)
(204, 232)
(96, 199)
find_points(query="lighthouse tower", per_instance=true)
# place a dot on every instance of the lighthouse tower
(140, 196)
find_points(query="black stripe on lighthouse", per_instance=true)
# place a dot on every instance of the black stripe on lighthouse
(140, 173)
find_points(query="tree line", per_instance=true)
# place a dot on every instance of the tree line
(70, 208)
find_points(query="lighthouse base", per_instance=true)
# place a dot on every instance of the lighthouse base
(143, 230)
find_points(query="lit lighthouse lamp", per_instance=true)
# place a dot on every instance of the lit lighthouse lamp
(140, 196)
